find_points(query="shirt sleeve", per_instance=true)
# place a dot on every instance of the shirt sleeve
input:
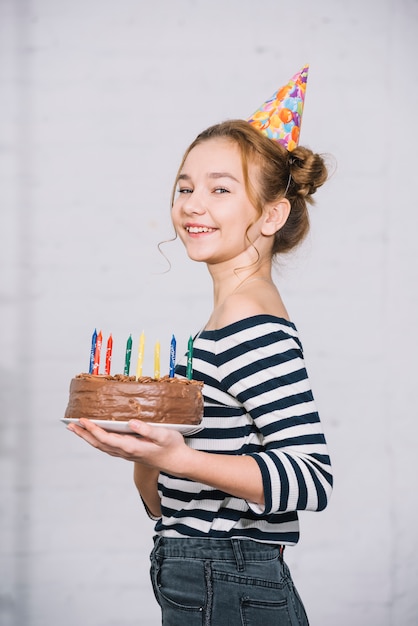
(265, 371)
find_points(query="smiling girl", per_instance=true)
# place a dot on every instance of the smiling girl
(226, 500)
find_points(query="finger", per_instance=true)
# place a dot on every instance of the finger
(111, 443)
(157, 435)
(147, 431)
(91, 432)
(119, 441)
(83, 433)
(89, 425)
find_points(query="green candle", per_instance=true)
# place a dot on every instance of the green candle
(128, 356)
(189, 370)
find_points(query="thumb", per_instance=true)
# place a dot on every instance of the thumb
(144, 429)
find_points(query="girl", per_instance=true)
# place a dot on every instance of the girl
(225, 500)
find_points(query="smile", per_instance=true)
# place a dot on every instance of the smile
(200, 229)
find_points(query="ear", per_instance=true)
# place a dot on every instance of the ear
(275, 217)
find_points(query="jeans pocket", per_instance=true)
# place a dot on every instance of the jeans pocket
(262, 594)
(268, 613)
(179, 587)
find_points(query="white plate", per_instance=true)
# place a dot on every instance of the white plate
(114, 426)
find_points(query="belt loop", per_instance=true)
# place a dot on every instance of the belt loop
(239, 557)
(157, 541)
(281, 550)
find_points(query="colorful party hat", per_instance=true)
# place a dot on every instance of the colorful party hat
(280, 117)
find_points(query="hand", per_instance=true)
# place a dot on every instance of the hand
(161, 448)
(165, 450)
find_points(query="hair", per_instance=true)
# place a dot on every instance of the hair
(293, 175)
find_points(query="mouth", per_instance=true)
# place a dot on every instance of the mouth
(195, 230)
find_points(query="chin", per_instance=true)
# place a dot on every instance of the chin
(198, 258)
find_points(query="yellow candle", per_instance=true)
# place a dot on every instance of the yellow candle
(157, 360)
(140, 356)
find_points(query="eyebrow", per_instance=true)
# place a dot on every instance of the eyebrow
(211, 175)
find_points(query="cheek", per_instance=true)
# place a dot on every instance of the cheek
(175, 215)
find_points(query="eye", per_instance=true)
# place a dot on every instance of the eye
(184, 190)
(220, 190)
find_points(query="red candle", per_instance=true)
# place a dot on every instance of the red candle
(108, 355)
(97, 354)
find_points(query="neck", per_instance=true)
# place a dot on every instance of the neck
(226, 282)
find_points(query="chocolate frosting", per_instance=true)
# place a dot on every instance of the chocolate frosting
(167, 400)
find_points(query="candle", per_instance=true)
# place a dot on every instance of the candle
(189, 370)
(140, 356)
(92, 351)
(172, 356)
(157, 361)
(108, 355)
(97, 354)
(128, 356)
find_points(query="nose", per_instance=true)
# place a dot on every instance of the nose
(194, 204)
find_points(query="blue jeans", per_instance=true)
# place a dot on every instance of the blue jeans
(223, 582)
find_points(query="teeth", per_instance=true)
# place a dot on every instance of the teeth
(199, 229)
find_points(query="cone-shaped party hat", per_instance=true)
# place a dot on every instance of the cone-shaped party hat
(280, 117)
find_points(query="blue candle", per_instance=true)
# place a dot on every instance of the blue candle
(92, 351)
(172, 356)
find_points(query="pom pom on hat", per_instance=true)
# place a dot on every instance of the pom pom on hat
(280, 117)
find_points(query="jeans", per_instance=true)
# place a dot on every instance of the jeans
(223, 582)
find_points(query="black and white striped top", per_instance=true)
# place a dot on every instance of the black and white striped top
(258, 402)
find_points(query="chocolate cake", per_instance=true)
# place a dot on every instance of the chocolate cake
(121, 398)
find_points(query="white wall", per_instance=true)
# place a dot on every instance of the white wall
(98, 101)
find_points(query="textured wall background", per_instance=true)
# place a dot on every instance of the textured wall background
(98, 101)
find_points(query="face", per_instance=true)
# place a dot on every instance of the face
(212, 212)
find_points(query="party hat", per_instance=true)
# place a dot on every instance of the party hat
(280, 117)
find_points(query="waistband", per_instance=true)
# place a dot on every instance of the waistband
(223, 549)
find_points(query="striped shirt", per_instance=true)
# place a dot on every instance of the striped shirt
(258, 402)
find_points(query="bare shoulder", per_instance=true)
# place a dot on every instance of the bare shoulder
(246, 304)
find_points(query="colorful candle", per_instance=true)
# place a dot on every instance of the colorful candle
(189, 369)
(97, 354)
(172, 356)
(92, 351)
(140, 356)
(109, 348)
(128, 356)
(157, 361)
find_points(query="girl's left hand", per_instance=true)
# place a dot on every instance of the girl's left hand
(161, 448)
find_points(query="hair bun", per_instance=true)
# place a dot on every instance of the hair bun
(308, 171)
